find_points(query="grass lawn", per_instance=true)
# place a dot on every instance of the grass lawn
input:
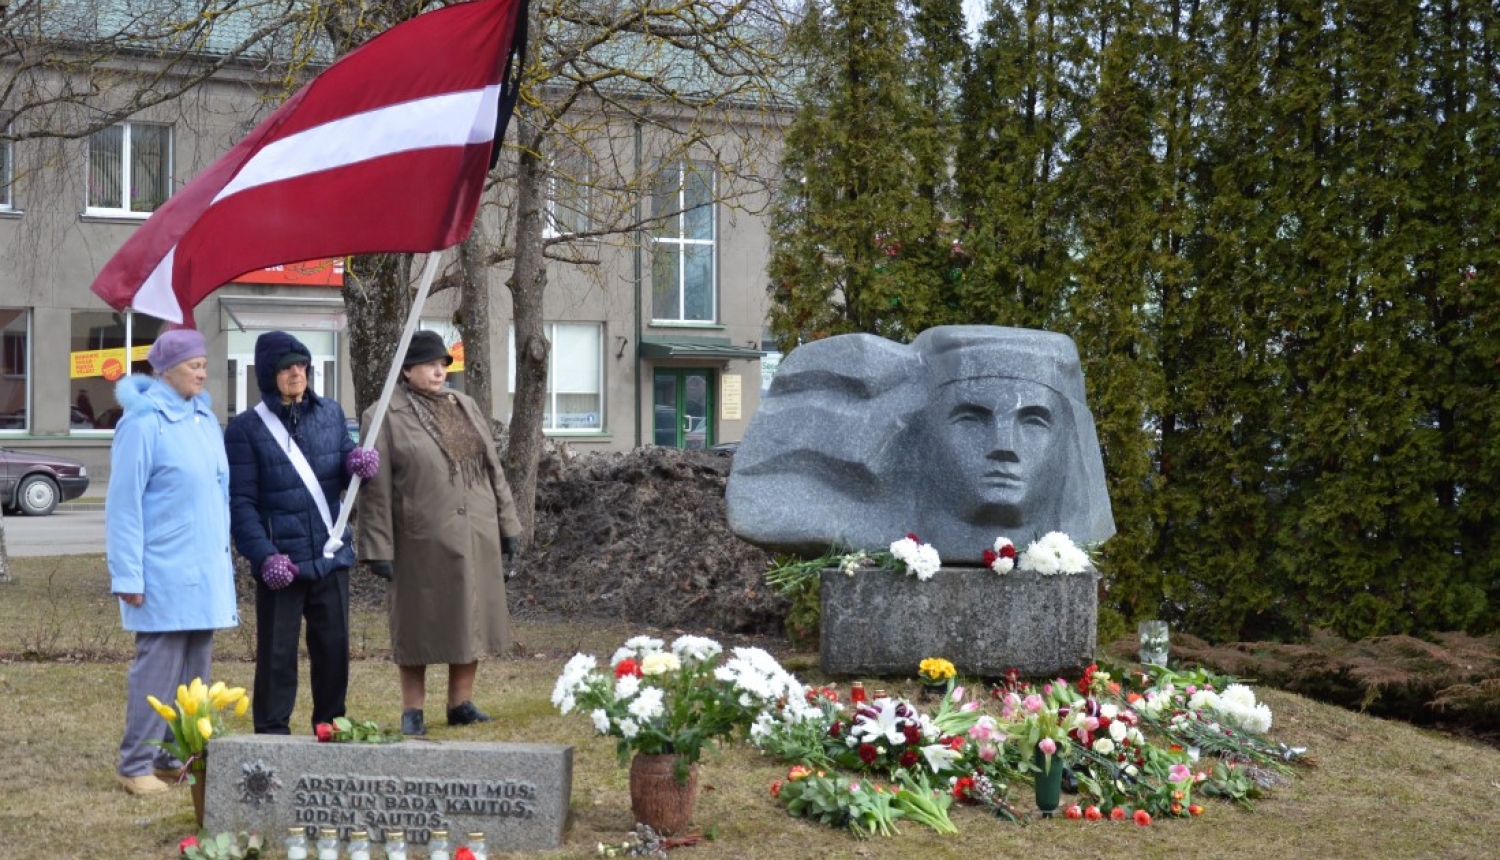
(1379, 790)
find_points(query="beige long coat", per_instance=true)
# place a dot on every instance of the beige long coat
(446, 600)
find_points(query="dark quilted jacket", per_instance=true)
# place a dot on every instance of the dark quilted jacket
(270, 509)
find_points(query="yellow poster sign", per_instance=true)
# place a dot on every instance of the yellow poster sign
(107, 363)
(457, 351)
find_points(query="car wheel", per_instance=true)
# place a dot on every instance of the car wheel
(37, 496)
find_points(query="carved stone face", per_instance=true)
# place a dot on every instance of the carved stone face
(998, 445)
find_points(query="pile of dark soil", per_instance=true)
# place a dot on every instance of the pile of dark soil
(641, 536)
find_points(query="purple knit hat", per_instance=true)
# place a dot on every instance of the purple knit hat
(174, 347)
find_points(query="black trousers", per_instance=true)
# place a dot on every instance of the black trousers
(278, 625)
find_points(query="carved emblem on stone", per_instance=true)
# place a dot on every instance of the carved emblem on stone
(258, 783)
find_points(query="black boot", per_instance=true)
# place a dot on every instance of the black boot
(465, 714)
(412, 722)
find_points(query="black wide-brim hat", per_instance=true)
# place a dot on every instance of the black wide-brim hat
(426, 346)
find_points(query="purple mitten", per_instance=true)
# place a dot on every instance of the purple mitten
(277, 571)
(364, 462)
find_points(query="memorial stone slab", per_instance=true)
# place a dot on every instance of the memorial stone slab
(517, 794)
(880, 622)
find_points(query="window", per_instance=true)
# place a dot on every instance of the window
(575, 394)
(682, 251)
(104, 346)
(15, 364)
(7, 167)
(569, 200)
(130, 168)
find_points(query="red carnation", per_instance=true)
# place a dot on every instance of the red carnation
(1008, 551)
(463, 853)
(324, 731)
(989, 557)
(628, 666)
(908, 759)
(912, 734)
(1142, 817)
(956, 743)
(913, 538)
(867, 753)
(836, 729)
(963, 788)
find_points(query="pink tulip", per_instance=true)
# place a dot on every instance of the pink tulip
(988, 754)
(1047, 745)
(1033, 704)
(958, 694)
(1179, 773)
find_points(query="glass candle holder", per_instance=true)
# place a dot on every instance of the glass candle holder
(328, 844)
(438, 847)
(359, 845)
(1154, 642)
(476, 845)
(296, 843)
(395, 845)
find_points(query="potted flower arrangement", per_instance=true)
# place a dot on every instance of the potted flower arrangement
(665, 705)
(198, 716)
(936, 674)
(1040, 721)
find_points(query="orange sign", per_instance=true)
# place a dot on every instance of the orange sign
(457, 351)
(311, 273)
(108, 363)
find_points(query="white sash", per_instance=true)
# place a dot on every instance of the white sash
(299, 462)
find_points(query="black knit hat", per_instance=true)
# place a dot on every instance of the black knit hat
(426, 346)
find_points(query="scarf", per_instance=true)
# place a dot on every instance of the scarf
(442, 416)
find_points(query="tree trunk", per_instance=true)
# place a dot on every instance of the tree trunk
(528, 283)
(5, 575)
(377, 296)
(474, 322)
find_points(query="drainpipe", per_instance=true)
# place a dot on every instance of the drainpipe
(640, 236)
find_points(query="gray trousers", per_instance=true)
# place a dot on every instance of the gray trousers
(162, 661)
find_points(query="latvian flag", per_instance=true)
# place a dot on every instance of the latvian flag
(385, 151)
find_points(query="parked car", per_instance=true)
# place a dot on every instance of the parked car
(34, 483)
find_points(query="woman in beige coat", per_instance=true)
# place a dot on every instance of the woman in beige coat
(436, 522)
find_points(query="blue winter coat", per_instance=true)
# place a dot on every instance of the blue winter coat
(271, 509)
(166, 513)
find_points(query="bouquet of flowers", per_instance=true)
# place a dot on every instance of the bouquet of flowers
(199, 715)
(1051, 554)
(658, 700)
(1041, 719)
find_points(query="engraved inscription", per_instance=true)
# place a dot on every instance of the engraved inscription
(418, 806)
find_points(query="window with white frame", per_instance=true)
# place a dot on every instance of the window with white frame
(7, 167)
(568, 196)
(129, 168)
(683, 262)
(575, 374)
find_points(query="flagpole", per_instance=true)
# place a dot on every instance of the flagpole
(429, 272)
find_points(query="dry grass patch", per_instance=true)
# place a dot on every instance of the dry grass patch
(1380, 789)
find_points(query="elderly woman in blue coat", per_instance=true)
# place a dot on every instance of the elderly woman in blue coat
(166, 527)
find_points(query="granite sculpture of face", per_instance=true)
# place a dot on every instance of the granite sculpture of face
(998, 449)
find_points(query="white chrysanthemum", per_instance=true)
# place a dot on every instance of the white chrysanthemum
(1259, 721)
(1104, 746)
(925, 562)
(574, 674)
(1109, 711)
(643, 644)
(1054, 553)
(627, 686)
(696, 649)
(1118, 731)
(621, 654)
(1001, 564)
(648, 705)
(601, 720)
(660, 663)
(629, 728)
(1238, 695)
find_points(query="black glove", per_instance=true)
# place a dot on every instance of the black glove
(382, 568)
(509, 548)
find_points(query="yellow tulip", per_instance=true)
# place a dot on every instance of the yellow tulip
(198, 690)
(217, 688)
(184, 701)
(241, 706)
(205, 727)
(166, 713)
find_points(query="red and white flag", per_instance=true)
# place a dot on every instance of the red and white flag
(385, 151)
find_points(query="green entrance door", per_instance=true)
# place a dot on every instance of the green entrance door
(683, 408)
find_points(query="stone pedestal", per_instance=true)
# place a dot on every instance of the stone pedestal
(880, 622)
(516, 794)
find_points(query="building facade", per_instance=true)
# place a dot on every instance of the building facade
(657, 333)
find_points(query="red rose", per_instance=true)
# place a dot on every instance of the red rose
(867, 753)
(627, 666)
(1117, 814)
(184, 845)
(909, 759)
(1142, 817)
(324, 731)
(1073, 812)
(1093, 813)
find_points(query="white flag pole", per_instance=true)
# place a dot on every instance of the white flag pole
(429, 272)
